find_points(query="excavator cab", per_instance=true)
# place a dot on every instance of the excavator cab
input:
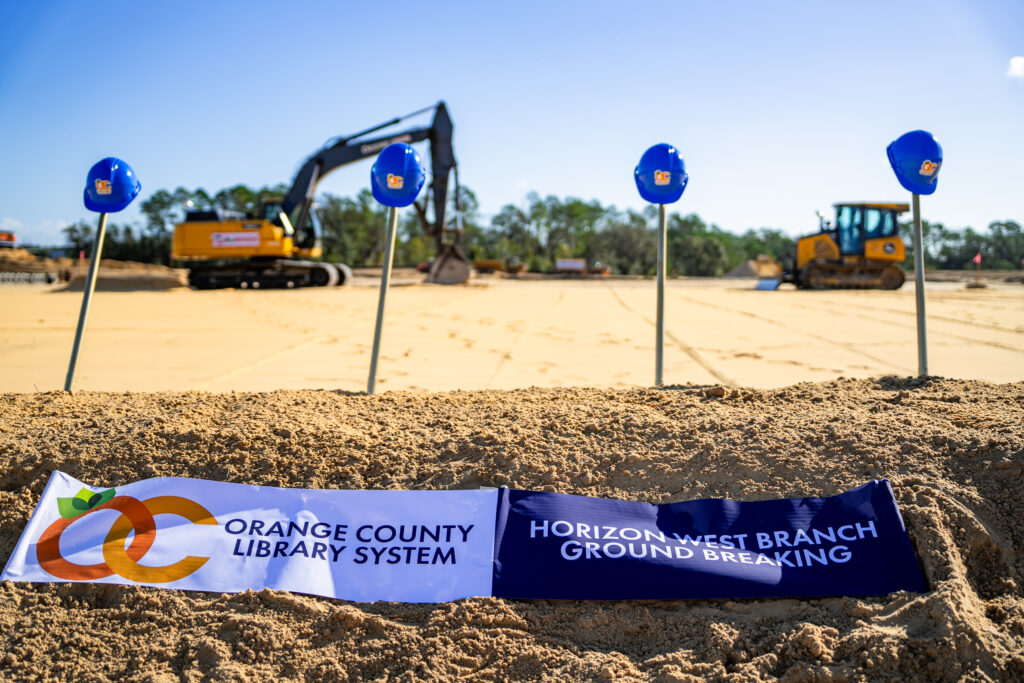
(307, 239)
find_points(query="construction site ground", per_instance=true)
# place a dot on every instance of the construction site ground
(498, 333)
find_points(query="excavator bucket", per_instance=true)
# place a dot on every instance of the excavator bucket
(451, 267)
(769, 273)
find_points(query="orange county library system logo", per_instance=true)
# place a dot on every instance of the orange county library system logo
(395, 182)
(662, 177)
(928, 167)
(102, 186)
(119, 557)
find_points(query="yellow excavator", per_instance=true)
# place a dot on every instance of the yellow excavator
(277, 245)
(860, 250)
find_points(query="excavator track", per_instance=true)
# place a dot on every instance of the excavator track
(274, 274)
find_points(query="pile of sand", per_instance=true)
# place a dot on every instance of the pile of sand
(952, 449)
(130, 280)
(746, 269)
(113, 275)
(24, 261)
(125, 276)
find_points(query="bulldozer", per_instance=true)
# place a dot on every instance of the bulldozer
(277, 245)
(860, 250)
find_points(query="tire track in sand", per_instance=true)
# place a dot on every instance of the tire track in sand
(508, 352)
(932, 328)
(274, 355)
(683, 346)
(258, 363)
(848, 346)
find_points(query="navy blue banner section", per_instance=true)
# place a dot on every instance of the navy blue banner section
(557, 546)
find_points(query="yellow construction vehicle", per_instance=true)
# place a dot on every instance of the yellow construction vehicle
(861, 250)
(274, 246)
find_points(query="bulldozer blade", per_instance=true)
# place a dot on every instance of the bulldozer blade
(451, 267)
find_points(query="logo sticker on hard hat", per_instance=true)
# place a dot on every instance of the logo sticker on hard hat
(928, 167)
(395, 182)
(102, 186)
(662, 177)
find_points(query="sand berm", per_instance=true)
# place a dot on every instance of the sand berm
(953, 450)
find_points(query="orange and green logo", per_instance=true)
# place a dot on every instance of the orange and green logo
(120, 557)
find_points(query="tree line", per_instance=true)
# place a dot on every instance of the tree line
(1001, 247)
(535, 233)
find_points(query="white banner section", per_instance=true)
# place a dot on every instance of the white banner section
(192, 534)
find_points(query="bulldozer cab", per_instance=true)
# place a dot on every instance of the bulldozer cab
(856, 223)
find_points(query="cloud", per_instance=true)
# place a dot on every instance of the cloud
(1016, 69)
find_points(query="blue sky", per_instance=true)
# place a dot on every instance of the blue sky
(779, 108)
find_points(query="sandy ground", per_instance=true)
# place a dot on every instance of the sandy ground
(502, 334)
(952, 449)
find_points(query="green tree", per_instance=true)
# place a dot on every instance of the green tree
(353, 228)
(774, 243)
(1006, 245)
(627, 244)
(696, 249)
(79, 236)
(244, 199)
(517, 239)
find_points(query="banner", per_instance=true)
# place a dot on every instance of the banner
(192, 534)
(561, 547)
(436, 546)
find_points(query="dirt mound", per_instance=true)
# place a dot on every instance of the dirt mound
(113, 275)
(16, 255)
(746, 269)
(130, 279)
(24, 261)
(134, 266)
(952, 449)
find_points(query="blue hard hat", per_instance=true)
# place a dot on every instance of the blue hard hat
(661, 174)
(397, 175)
(110, 186)
(916, 158)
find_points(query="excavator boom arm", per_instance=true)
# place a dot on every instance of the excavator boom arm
(345, 151)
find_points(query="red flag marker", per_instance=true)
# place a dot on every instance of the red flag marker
(977, 272)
